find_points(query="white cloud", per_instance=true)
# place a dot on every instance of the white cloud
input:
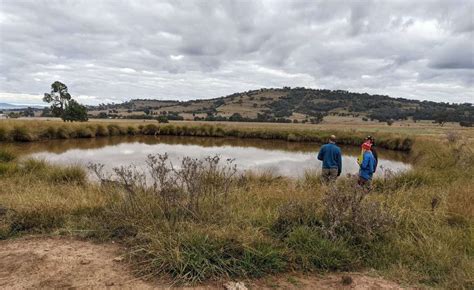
(127, 70)
(176, 57)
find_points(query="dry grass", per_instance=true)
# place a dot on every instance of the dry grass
(416, 228)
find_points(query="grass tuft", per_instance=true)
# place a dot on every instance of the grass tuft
(313, 251)
(6, 155)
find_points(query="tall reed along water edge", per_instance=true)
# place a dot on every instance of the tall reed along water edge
(28, 131)
(204, 221)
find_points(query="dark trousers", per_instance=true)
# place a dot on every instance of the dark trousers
(329, 174)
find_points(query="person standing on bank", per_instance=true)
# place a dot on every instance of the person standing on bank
(374, 151)
(367, 166)
(330, 155)
(369, 139)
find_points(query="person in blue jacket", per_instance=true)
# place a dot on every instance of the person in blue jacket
(367, 165)
(330, 155)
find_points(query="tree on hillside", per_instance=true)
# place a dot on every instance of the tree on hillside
(318, 118)
(63, 105)
(46, 112)
(162, 119)
(236, 117)
(29, 112)
(13, 115)
(441, 118)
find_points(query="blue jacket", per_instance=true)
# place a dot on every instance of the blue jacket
(367, 168)
(330, 154)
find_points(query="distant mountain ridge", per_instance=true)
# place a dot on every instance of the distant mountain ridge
(7, 106)
(290, 104)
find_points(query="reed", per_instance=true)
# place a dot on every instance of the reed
(27, 131)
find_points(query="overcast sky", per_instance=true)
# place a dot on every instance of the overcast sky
(117, 50)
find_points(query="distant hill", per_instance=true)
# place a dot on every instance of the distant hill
(9, 106)
(6, 106)
(290, 104)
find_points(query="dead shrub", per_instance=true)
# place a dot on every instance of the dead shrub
(349, 213)
(179, 191)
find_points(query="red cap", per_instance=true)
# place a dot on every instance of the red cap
(366, 145)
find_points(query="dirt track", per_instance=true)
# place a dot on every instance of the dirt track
(67, 263)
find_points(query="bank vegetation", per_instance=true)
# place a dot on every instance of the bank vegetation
(204, 221)
(29, 131)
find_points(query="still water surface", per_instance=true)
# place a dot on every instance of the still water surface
(280, 157)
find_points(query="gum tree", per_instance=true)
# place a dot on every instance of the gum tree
(63, 105)
(59, 98)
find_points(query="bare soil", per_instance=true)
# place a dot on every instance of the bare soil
(69, 263)
(62, 263)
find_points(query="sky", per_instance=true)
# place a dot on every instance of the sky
(116, 50)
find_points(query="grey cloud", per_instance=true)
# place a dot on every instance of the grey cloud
(456, 54)
(196, 49)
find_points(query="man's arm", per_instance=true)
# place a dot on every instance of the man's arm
(372, 164)
(365, 162)
(321, 154)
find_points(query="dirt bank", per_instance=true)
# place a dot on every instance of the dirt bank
(62, 263)
(68, 263)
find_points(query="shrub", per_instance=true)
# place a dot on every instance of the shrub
(312, 251)
(162, 119)
(55, 174)
(151, 129)
(188, 186)
(132, 130)
(466, 124)
(192, 255)
(21, 134)
(64, 133)
(293, 214)
(122, 130)
(3, 134)
(394, 182)
(84, 132)
(102, 131)
(49, 133)
(5, 168)
(33, 165)
(36, 220)
(114, 130)
(68, 174)
(6, 155)
(348, 213)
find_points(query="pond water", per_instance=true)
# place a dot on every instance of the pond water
(280, 157)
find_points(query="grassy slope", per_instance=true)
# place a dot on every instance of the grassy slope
(297, 104)
(268, 225)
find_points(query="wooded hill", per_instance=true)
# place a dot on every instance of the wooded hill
(290, 104)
